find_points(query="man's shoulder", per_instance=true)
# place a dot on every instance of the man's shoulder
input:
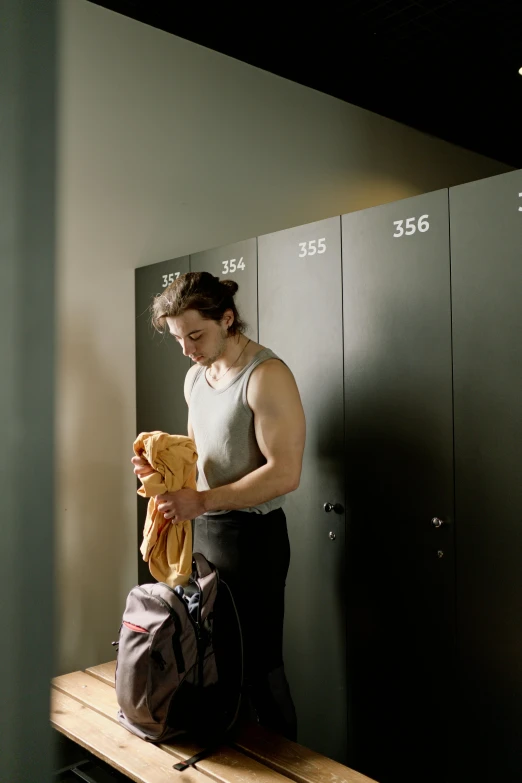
(191, 372)
(270, 364)
(269, 371)
(272, 388)
(190, 377)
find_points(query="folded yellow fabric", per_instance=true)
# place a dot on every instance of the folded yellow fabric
(167, 547)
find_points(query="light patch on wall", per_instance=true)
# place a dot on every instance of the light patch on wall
(380, 190)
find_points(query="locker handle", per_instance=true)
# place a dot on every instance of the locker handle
(333, 507)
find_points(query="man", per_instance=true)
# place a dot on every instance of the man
(248, 424)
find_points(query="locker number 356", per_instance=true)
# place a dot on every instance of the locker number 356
(312, 247)
(409, 226)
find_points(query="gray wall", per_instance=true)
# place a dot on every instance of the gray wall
(168, 148)
(27, 196)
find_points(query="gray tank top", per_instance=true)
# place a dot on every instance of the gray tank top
(223, 425)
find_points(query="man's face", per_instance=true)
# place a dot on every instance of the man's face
(203, 340)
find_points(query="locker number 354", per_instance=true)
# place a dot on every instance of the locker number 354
(232, 265)
(409, 226)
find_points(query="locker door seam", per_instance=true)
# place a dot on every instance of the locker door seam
(454, 472)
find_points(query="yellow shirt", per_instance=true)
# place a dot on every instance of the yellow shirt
(167, 547)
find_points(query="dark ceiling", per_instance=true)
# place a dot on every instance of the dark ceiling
(447, 67)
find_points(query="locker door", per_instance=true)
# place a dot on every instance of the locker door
(160, 371)
(399, 477)
(486, 260)
(234, 262)
(300, 314)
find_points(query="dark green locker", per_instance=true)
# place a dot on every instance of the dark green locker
(234, 262)
(300, 314)
(486, 259)
(399, 486)
(160, 370)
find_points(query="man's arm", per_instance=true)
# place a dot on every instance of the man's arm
(189, 380)
(280, 431)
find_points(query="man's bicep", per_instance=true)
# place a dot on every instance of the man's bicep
(279, 420)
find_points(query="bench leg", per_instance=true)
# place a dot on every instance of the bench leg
(81, 769)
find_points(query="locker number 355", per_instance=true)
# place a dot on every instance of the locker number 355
(409, 226)
(312, 247)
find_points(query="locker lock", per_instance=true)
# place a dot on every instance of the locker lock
(436, 522)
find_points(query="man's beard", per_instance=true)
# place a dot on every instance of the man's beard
(221, 348)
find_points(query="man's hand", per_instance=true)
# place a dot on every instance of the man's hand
(141, 467)
(184, 504)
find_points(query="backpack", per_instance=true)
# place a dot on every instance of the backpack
(179, 667)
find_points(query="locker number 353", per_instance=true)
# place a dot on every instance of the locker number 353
(312, 247)
(169, 279)
(409, 226)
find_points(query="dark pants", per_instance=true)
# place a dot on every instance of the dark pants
(252, 555)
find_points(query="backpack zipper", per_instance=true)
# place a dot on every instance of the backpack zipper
(194, 623)
(201, 647)
(176, 643)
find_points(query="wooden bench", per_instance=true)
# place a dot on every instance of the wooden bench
(84, 708)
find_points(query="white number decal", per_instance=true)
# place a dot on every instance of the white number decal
(400, 230)
(169, 279)
(233, 265)
(520, 196)
(312, 247)
(411, 228)
(423, 224)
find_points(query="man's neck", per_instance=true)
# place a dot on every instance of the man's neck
(234, 353)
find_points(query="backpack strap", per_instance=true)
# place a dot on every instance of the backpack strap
(207, 578)
(200, 565)
(203, 754)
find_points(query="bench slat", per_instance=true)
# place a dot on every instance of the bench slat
(104, 672)
(294, 761)
(297, 762)
(90, 692)
(228, 765)
(141, 761)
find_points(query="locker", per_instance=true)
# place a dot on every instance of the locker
(399, 485)
(160, 370)
(234, 262)
(300, 313)
(402, 629)
(486, 258)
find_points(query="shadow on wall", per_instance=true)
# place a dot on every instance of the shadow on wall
(96, 517)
